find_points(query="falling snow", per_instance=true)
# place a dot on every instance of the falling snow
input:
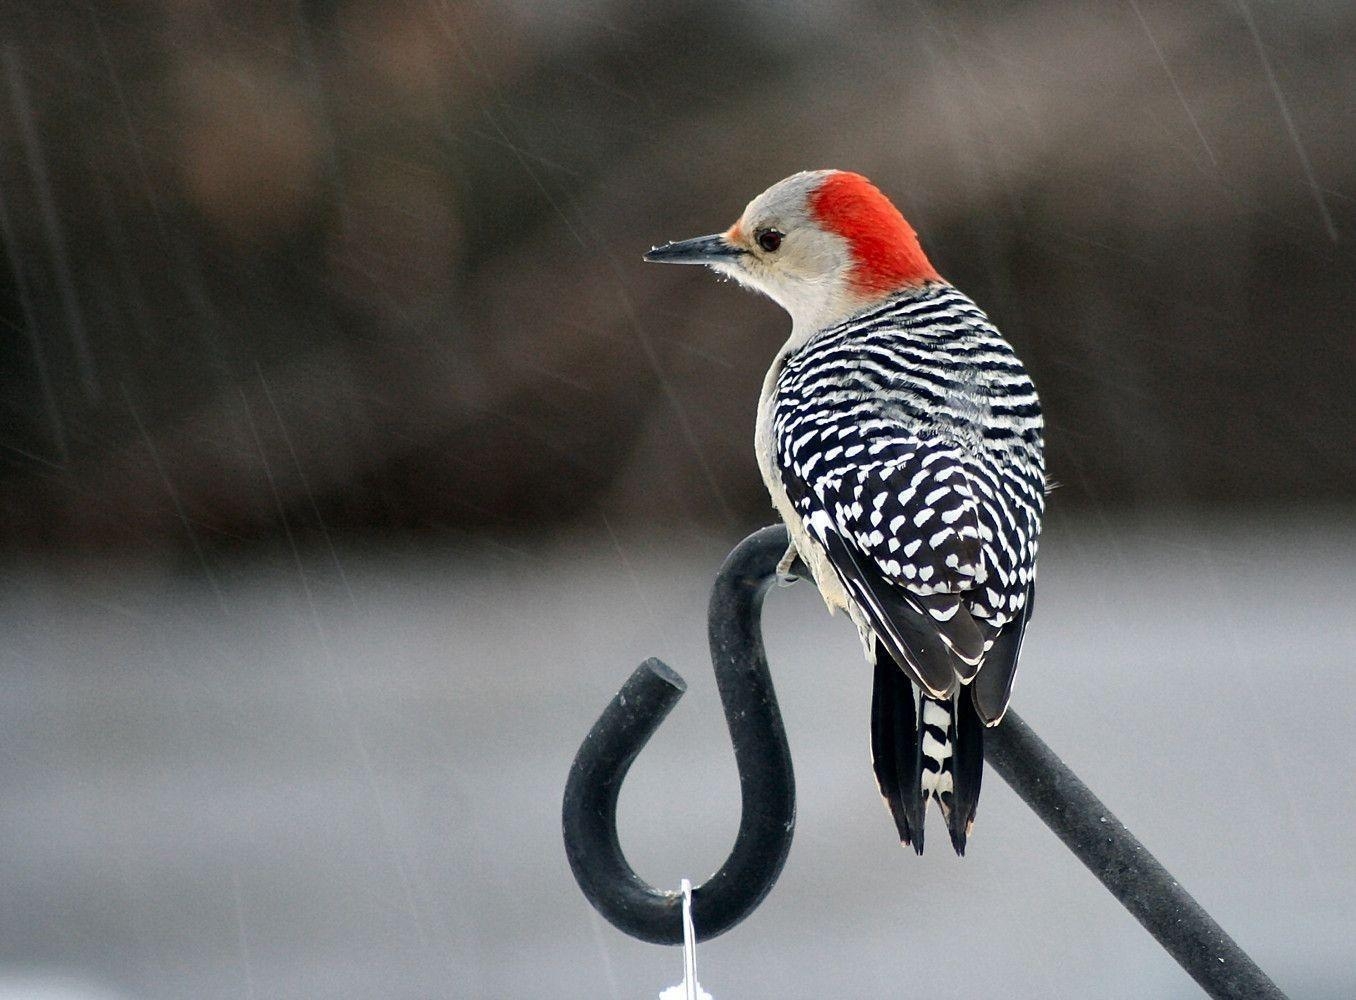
(351, 458)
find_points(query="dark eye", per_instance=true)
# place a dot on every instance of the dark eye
(769, 239)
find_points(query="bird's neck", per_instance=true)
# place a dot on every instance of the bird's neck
(816, 317)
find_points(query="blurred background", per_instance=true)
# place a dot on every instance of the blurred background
(350, 458)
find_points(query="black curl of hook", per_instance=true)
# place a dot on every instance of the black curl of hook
(766, 782)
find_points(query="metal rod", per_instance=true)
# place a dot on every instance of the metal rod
(766, 782)
(1133, 875)
(1130, 873)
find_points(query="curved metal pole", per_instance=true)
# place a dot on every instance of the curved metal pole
(1109, 850)
(766, 782)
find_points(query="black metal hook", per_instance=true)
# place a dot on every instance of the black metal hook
(1043, 781)
(766, 783)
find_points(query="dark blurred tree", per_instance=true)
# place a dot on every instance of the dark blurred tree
(375, 263)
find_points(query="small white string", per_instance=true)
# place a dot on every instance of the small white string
(688, 989)
(689, 945)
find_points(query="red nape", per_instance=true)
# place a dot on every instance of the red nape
(885, 248)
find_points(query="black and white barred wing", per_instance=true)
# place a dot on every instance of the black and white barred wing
(902, 531)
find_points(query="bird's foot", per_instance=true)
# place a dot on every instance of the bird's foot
(785, 578)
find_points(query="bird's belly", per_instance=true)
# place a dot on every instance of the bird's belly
(814, 556)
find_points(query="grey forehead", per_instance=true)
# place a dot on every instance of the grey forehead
(784, 202)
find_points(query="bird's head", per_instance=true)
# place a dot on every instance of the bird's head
(823, 244)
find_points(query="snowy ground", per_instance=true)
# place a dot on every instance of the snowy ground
(341, 778)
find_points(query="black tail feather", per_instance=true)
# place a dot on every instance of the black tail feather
(967, 769)
(895, 749)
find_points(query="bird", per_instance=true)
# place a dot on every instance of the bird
(901, 441)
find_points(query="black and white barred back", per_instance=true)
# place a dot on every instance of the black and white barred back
(908, 439)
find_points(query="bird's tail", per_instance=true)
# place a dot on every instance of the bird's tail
(921, 749)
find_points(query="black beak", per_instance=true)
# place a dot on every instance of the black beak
(702, 250)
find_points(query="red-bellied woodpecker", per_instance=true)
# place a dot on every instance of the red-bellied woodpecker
(900, 439)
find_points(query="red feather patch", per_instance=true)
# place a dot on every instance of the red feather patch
(885, 249)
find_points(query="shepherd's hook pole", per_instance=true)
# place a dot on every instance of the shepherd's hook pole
(766, 784)
(1110, 851)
